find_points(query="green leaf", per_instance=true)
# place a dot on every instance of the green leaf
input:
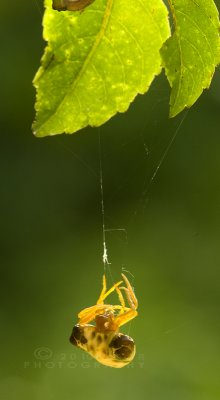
(192, 53)
(97, 61)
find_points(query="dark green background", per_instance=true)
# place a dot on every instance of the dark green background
(51, 238)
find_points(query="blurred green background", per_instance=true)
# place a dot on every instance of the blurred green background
(51, 237)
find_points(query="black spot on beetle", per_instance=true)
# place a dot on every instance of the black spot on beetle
(73, 340)
(99, 339)
(123, 345)
(123, 352)
(83, 340)
(93, 335)
(77, 332)
(77, 336)
(121, 340)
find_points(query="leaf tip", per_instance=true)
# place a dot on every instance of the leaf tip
(173, 113)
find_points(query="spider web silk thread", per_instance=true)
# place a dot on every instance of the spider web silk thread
(105, 251)
(147, 184)
(165, 153)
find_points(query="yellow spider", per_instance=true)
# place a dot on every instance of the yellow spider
(103, 341)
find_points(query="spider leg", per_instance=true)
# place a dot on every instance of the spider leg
(105, 294)
(132, 300)
(127, 316)
(88, 314)
(121, 299)
(104, 287)
(124, 313)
